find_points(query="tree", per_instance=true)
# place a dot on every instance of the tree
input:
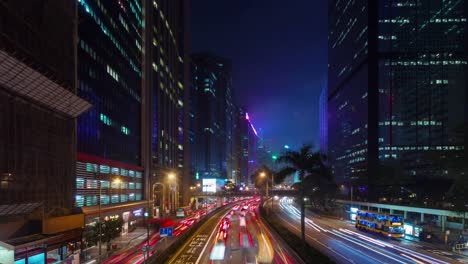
(110, 229)
(306, 163)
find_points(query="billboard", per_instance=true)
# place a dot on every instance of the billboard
(209, 185)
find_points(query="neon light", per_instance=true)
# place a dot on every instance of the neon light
(255, 131)
(248, 119)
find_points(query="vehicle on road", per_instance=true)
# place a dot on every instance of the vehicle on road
(389, 225)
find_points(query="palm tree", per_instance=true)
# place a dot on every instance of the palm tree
(306, 163)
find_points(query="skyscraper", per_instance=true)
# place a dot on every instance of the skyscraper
(110, 58)
(397, 90)
(166, 84)
(213, 116)
(38, 111)
(323, 120)
(249, 145)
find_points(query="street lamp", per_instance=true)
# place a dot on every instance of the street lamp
(116, 181)
(263, 174)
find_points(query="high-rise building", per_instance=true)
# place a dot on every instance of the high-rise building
(38, 111)
(397, 90)
(249, 145)
(323, 120)
(166, 81)
(109, 164)
(212, 114)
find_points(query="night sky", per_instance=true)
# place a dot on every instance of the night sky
(279, 55)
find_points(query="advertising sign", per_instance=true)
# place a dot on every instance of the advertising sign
(209, 185)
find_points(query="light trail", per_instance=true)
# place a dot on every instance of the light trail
(380, 247)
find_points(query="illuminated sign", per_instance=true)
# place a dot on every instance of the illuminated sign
(209, 185)
(137, 212)
(408, 229)
(353, 213)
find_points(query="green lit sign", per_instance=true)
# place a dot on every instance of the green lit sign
(274, 157)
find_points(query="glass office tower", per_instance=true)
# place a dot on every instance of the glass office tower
(397, 93)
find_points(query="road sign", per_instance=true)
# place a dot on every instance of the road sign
(163, 232)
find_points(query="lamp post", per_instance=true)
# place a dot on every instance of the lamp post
(117, 181)
(263, 174)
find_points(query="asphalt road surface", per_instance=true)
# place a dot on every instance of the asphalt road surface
(343, 243)
(235, 235)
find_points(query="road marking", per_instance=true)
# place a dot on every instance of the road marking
(208, 241)
(322, 244)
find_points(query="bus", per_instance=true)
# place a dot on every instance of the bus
(390, 225)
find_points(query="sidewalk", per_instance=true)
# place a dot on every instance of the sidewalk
(122, 242)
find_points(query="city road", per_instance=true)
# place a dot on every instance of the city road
(344, 244)
(236, 235)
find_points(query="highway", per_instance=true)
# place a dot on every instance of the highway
(344, 244)
(235, 235)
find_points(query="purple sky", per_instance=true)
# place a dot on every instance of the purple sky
(279, 55)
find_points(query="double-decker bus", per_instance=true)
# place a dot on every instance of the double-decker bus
(390, 225)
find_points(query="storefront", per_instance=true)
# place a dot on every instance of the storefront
(131, 214)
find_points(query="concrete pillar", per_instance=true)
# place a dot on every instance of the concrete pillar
(422, 217)
(405, 214)
(379, 210)
(391, 211)
(442, 219)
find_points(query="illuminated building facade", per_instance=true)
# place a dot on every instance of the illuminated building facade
(249, 143)
(212, 117)
(109, 135)
(166, 81)
(323, 120)
(397, 89)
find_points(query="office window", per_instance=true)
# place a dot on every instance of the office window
(91, 200)
(115, 198)
(79, 183)
(79, 200)
(105, 199)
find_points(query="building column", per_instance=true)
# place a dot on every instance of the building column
(391, 211)
(405, 215)
(422, 217)
(442, 220)
(379, 210)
